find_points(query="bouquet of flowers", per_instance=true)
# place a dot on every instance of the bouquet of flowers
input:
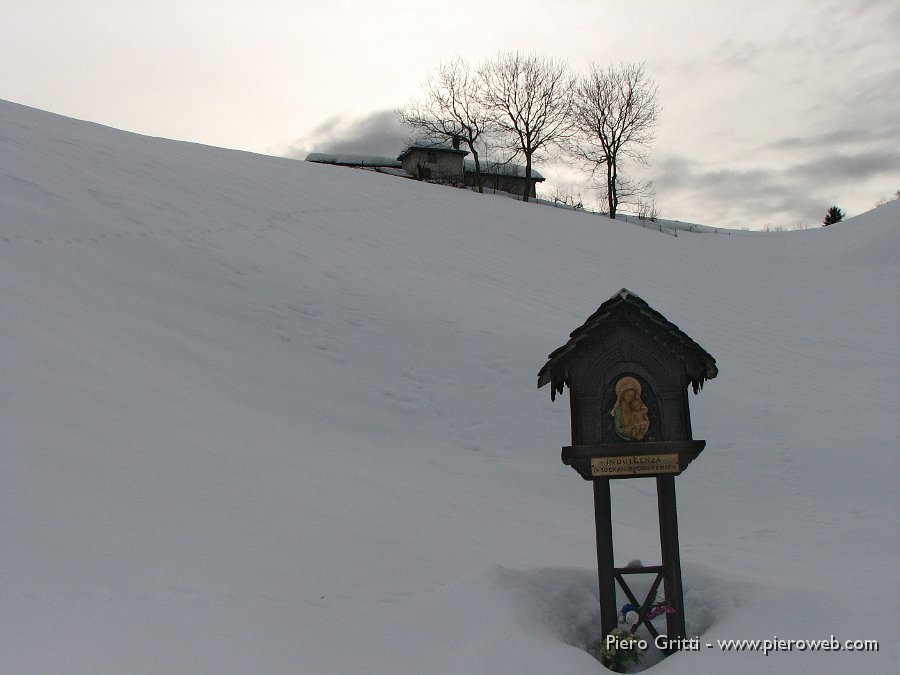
(619, 649)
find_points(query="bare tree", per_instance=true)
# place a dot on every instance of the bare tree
(451, 110)
(567, 196)
(629, 191)
(884, 200)
(529, 97)
(616, 115)
(647, 209)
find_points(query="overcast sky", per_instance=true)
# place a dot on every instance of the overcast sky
(772, 110)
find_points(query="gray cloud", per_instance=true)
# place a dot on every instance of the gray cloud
(851, 166)
(824, 141)
(745, 197)
(847, 153)
(737, 55)
(872, 103)
(379, 133)
(890, 11)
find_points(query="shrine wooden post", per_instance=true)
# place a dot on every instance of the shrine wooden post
(628, 370)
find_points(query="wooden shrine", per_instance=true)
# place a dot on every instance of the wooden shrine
(628, 370)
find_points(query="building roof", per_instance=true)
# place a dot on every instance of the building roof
(493, 168)
(488, 167)
(352, 160)
(698, 364)
(424, 147)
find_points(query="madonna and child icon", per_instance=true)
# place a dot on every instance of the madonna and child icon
(630, 412)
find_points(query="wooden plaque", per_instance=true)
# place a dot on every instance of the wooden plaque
(635, 465)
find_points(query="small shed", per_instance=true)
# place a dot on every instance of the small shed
(433, 162)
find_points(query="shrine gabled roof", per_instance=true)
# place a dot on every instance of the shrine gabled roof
(699, 364)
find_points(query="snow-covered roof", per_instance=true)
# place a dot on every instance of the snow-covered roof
(489, 167)
(352, 160)
(431, 148)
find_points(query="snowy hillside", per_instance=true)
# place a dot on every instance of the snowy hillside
(267, 416)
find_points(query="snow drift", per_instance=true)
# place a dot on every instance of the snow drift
(268, 416)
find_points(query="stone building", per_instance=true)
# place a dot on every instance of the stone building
(434, 163)
(441, 164)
